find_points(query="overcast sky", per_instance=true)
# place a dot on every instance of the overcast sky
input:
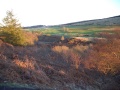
(52, 12)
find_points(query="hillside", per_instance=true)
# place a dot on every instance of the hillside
(97, 22)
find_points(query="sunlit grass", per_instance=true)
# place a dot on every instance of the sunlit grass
(72, 31)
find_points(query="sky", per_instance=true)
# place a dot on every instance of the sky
(54, 12)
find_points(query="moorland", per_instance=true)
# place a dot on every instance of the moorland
(74, 56)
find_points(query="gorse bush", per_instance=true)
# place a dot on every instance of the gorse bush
(12, 32)
(14, 37)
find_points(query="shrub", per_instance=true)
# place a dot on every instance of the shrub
(14, 37)
(31, 39)
(62, 38)
(105, 56)
(60, 49)
(71, 55)
(12, 32)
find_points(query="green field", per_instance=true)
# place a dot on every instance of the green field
(72, 31)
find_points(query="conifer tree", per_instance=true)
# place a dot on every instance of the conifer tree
(12, 31)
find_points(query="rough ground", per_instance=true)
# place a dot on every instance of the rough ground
(52, 64)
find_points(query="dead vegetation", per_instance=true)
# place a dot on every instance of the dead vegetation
(68, 63)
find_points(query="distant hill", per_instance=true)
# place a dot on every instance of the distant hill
(36, 26)
(97, 22)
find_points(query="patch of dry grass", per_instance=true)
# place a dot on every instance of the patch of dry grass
(27, 64)
(31, 38)
(60, 49)
(71, 55)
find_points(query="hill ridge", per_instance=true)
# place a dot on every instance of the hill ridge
(115, 20)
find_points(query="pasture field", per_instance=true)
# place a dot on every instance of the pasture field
(73, 31)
